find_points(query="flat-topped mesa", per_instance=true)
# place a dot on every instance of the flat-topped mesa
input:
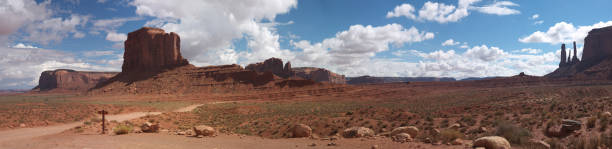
(152, 49)
(70, 80)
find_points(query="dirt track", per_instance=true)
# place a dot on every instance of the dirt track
(29, 133)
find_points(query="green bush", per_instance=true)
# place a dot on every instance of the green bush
(514, 134)
(122, 129)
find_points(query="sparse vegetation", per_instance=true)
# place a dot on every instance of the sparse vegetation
(514, 134)
(122, 129)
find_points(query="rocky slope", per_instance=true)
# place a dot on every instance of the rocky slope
(70, 80)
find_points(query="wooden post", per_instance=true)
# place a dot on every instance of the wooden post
(103, 120)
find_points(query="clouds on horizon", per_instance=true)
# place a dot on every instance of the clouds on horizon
(444, 13)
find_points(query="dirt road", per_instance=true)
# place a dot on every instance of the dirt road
(28, 133)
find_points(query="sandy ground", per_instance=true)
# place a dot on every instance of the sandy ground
(165, 141)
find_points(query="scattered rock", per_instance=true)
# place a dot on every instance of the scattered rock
(149, 127)
(537, 144)
(606, 114)
(301, 130)
(435, 132)
(204, 130)
(313, 145)
(455, 126)
(331, 144)
(22, 125)
(569, 126)
(357, 132)
(427, 140)
(492, 142)
(401, 137)
(374, 147)
(456, 142)
(411, 130)
(482, 129)
(137, 130)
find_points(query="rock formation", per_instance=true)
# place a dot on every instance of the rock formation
(273, 65)
(319, 75)
(150, 50)
(70, 80)
(596, 58)
(563, 61)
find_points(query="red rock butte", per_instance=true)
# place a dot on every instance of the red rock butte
(152, 49)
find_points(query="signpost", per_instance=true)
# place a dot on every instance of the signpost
(103, 120)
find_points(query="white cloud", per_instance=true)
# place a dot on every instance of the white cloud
(562, 32)
(529, 50)
(399, 53)
(450, 42)
(116, 37)
(498, 8)
(349, 51)
(538, 22)
(112, 24)
(485, 53)
(23, 46)
(210, 27)
(444, 13)
(97, 53)
(405, 10)
(27, 11)
(535, 16)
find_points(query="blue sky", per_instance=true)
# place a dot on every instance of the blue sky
(456, 38)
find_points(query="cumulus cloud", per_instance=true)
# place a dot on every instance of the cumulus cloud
(27, 10)
(210, 27)
(535, 16)
(481, 61)
(357, 45)
(111, 24)
(562, 32)
(444, 13)
(450, 42)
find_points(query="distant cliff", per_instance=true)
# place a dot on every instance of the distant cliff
(70, 80)
(375, 80)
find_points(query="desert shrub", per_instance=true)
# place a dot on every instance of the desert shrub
(591, 122)
(555, 144)
(122, 129)
(448, 135)
(514, 134)
(603, 124)
(87, 123)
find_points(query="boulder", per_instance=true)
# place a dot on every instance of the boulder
(456, 142)
(22, 125)
(569, 126)
(149, 127)
(358, 132)
(492, 142)
(537, 144)
(204, 130)
(606, 114)
(411, 130)
(70, 80)
(150, 50)
(401, 137)
(455, 126)
(301, 130)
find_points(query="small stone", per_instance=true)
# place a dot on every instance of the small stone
(22, 125)
(331, 144)
(375, 147)
(456, 142)
(313, 145)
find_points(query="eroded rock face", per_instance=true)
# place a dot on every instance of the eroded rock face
(152, 49)
(274, 65)
(319, 75)
(597, 44)
(70, 80)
